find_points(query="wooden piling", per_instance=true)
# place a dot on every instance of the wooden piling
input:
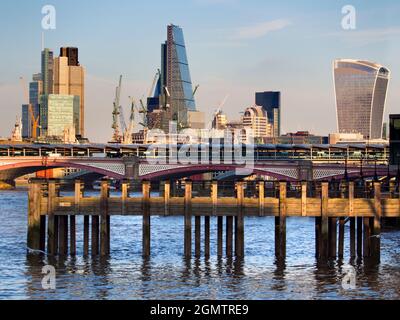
(52, 220)
(304, 199)
(359, 237)
(167, 195)
(86, 235)
(239, 221)
(366, 237)
(229, 236)
(34, 220)
(188, 219)
(207, 236)
(63, 235)
(324, 237)
(317, 236)
(332, 235)
(146, 218)
(72, 235)
(124, 197)
(104, 217)
(214, 196)
(261, 197)
(95, 235)
(220, 223)
(352, 221)
(342, 222)
(197, 236)
(43, 233)
(376, 223)
(280, 223)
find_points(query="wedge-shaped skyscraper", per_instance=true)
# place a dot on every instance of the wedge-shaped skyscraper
(361, 89)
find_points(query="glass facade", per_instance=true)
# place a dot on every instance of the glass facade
(176, 75)
(395, 139)
(47, 71)
(271, 103)
(360, 88)
(58, 112)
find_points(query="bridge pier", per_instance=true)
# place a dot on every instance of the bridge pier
(280, 223)
(35, 222)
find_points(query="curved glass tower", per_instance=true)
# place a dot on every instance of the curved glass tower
(176, 75)
(360, 89)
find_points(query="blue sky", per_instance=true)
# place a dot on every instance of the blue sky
(235, 47)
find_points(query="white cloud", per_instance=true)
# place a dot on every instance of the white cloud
(261, 29)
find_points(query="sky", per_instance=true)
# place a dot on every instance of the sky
(235, 48)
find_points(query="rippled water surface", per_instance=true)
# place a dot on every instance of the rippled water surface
(167, 275)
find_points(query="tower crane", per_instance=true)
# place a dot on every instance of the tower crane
(127, 136)
(34, 120)
(116, 113)
(223, 102)
(195, 90)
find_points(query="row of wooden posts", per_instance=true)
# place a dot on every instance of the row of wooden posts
(60, 230)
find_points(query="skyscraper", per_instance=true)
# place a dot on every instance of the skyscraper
(35, 92)
(360, 89)
(47, 71)
(255, 118)
(175, 76)
(57, 113)
(72, 54)
(69, 79)
(271, 103)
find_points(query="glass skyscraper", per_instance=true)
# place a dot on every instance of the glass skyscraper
(175, 75)
(47, 71)
(57, 113)
(360, 89)
(271, 103)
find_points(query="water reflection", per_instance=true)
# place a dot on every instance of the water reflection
(125, 274)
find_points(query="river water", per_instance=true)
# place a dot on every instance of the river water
(167, 275)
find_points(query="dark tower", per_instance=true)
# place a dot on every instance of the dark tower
(72, 54)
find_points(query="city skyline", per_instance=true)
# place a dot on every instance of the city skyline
(289, 49)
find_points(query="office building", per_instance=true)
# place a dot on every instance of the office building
(270, 101)
(35, 91)
(196, 120)
(72, 54)
(297, 138)
(219, 121)
(58, 113)
(360, 89)
(255, 118)
(69, 79)
(47, 71)
(174, 91)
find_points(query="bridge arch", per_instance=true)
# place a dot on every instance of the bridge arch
(11, 171)
(182, 171)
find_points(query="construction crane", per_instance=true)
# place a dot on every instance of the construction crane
(127, 136)
(34, 120)
(144, 107)
(195, 90)
(223, 102)
(116, 138)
